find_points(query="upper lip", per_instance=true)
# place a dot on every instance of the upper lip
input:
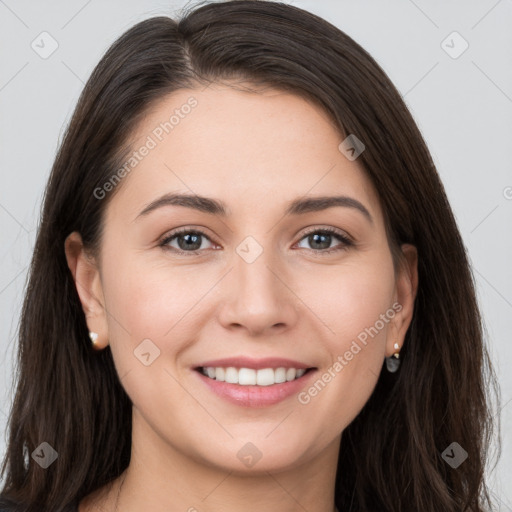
(256, 364)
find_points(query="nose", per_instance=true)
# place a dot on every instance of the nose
(256, 297)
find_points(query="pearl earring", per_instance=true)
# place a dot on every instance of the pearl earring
(393, 362)
(94, 338)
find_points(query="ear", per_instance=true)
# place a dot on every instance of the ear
(405, 295)
(88, 285)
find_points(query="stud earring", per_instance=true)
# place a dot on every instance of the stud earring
(393, 362)
(94, 339)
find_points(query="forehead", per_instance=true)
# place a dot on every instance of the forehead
(269, 146)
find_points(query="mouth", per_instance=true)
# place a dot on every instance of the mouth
(253, 377)
(254, 382)
(254, 388)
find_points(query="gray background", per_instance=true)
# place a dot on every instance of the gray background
(463, 107)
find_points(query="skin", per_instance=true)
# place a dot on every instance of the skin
(256, 152)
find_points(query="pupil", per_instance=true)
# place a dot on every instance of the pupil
(316, 237)
(189, 243)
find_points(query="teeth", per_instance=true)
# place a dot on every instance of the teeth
(251, 377)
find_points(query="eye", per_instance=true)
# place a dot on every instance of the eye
(188, 240)
(320, 240)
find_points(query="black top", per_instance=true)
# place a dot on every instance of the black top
(9, 506)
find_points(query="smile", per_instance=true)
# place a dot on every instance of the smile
(252, 377)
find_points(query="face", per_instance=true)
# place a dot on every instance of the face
(259, 270)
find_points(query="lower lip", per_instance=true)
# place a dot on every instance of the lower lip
(256, 396)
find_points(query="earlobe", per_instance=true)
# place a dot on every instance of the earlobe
(88, 285)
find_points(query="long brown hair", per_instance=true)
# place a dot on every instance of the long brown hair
(70, 396)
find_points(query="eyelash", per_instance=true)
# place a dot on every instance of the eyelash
(346, 242)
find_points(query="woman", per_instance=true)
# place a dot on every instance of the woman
(248, 289)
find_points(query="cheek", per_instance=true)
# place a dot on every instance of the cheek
(144, 302)
(150, 322)
(357, 306)
(362, 301)
(353, 301)
(349, 298)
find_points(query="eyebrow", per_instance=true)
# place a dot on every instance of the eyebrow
(215, 207)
